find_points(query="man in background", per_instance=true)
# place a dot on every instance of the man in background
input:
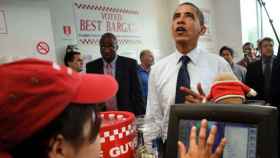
(73, 60)
(147, 60)
(259, 73)
(124, 70)
(249, 54)
(228, 53)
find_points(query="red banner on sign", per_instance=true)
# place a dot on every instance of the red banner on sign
(67, 30)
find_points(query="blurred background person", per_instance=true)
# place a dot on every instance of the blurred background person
(228, 53)
(73, 59)
(147, 60)
(124, 70)
(249, 54)
(259, 73)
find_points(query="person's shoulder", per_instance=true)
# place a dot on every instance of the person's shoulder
(164, 61)
(256, 62)
(254, 65)
(241, 68)
(127, 59)
(241, 61)
(211, 57)
(94, 62)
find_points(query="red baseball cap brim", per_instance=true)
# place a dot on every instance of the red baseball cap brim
(95, 88)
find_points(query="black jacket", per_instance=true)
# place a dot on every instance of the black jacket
(255, 79)
(129, 96)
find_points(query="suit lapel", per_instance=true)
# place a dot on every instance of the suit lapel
(260, 67)
(118, 68)
(100, 68)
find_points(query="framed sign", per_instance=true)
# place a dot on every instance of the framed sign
(3, 24)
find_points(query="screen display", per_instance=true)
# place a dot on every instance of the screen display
(241, 138)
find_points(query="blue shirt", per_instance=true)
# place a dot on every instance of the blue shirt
(143, 78)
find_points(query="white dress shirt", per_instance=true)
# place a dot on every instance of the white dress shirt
(202, 68)
(113, 64)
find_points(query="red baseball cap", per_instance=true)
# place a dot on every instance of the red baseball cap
(33, 92)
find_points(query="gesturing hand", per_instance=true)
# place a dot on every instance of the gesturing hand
(204, 147)
(193, 97)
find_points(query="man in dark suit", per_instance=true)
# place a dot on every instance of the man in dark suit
(259, 73)
(124, 70)
(275, 81)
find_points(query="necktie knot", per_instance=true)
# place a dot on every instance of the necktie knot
(108, 66)
(185, 60)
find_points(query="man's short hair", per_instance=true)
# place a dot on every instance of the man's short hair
(107, 35)
(143, 52)
(228, 49)
(268, 39)
(69, 57)
(248, 44)
(198, 12)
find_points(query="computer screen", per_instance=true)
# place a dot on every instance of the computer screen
(242, 138)
(251, 131)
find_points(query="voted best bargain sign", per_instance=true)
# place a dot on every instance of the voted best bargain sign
(95, 18)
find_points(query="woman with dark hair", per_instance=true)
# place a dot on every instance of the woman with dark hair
(48, 111)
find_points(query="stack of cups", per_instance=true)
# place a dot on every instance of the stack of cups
(117, 135)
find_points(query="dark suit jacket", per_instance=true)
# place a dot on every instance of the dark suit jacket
(275, 82)
(255, 79)
(129, 94)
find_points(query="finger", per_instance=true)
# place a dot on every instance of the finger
(202, 134)
(219, 150)
(181, 149)
(190, 92)
(192, 138)
(211, 139)
(191, 99)
(200, 90)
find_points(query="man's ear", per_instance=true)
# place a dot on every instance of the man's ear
(59, 148)
(203, 30)
(117, 47)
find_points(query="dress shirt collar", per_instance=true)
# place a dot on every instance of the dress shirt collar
(193, 55)
(113, 62)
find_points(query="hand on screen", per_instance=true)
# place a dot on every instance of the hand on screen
(193, 97)
(202, 149)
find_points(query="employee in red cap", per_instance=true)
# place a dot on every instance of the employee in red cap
(46, 110)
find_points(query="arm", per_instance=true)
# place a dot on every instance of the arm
(154, 115)
(202, 149)
(249, 79)
(137, 99)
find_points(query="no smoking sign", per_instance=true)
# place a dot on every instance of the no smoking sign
(43, 48)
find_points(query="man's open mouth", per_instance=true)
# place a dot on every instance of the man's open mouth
(181, 29)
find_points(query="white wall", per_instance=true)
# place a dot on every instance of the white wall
(28, 22)
(62, 15)
(228, 25)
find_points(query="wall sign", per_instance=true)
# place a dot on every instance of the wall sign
(3, 24)
(43, 48)
(95, 18)
(67, 30)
